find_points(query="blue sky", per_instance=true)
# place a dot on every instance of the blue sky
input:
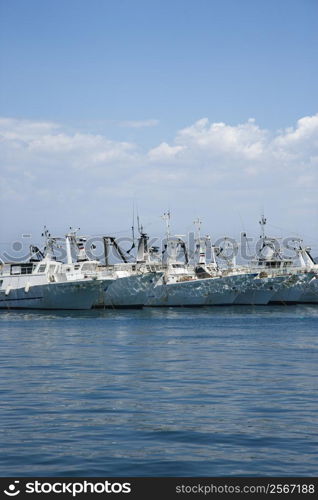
(120, 81)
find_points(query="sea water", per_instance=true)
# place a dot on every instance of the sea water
(220, 391)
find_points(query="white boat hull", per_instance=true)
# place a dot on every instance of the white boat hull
(259, 291)
(65, 295)
(200, 292)
(292, 289)
(128, 292)
(223, 291)
(185, 293)
(310, 294)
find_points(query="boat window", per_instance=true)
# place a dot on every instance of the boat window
(273, 264)
(77, 266)
(87, 267)
(21, 269)
(42, 268)
(26, 269)
(52, 269)
(1, 281)
(15, 269)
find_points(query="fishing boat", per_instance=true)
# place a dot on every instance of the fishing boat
(193, 284)
(44, 283)
(310, 293)
(130, 280)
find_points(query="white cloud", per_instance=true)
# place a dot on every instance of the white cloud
(306, 130)
(41, 144)
(208, 165)
(245, 140)
(164, 152)
(24, 129)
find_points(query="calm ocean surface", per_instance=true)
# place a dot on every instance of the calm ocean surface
(225, 391)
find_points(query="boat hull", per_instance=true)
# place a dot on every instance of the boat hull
(200, 292)
(259, 291)
(292, 289)
(310, 293)
(224, 290)
(128, 292)
(65, 295)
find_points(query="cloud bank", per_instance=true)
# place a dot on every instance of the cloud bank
(209, 168)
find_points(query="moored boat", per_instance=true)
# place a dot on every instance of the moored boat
(45, 285)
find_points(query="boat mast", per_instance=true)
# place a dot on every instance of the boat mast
(106, 250)
(166, 217)
(70, 238)
(170, 251)
(262, 223)
(48, 246)
(201, 243)
(142, 249)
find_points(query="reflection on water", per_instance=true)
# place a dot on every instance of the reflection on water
(160, 392)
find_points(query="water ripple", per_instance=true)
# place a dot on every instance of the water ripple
(159, 392)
